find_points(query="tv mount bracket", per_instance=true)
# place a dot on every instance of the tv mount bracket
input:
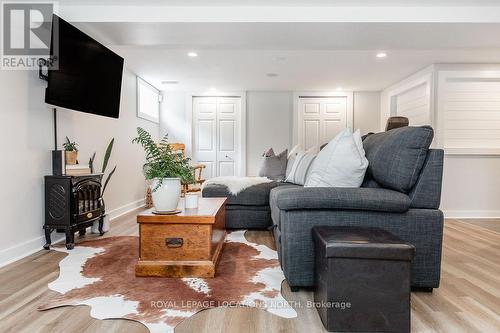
(44, 67)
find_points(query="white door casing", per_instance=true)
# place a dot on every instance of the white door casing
(320, 118)
(217, 135)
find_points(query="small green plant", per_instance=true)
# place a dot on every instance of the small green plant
(70, 146)
(161, 161)
(107, 155)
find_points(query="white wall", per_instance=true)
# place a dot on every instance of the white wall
(389, 97)
(269, 124)
(367, 111)
(26, 142)
(471, 181)
(173, 117)
(471, 186)
(270, 120)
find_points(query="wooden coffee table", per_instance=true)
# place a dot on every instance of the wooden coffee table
(187, 244)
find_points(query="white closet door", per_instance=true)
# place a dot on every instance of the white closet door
(205, 134)
(321, 119)
(217, 135)
(228, 135)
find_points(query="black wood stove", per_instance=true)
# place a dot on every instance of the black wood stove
(72, 203)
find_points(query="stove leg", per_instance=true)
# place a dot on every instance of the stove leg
(48, 241)
(70, 239)
(101, 224)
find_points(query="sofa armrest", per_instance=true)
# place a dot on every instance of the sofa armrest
(373, 199)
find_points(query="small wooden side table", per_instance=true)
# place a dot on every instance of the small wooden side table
(187, 244)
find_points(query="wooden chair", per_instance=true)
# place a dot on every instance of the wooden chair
(198, 169)
(396, 122)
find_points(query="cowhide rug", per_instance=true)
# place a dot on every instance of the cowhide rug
(101, 274)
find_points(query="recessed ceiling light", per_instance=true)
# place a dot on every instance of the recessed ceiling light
(381, 55)
(192, 54)
(271, 74)
(339, 89)
(169, 82)
(212, 89)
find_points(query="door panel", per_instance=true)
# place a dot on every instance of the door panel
(226, 135)
(217, 135)
(321, 119)
(312, 108)
(229, 129)
(312, 133)
(226, 168)
(206, 135)
(207, 107)
(336, 106)
(331, 128)
(226, 107)
(209, 171)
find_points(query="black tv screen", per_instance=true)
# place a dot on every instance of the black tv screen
(85, 75)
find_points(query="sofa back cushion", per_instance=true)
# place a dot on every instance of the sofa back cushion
(396, 157)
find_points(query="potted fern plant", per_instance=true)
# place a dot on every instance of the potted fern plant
(165, 169)
(70, 152)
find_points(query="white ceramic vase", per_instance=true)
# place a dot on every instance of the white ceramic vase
(166, 196)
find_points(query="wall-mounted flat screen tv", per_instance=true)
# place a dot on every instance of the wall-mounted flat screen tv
(85, 76)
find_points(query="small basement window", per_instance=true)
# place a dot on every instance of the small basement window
(148, 101)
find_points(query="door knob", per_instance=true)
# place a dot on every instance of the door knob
(228, 157)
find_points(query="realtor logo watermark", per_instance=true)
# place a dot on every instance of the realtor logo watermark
(26, 33)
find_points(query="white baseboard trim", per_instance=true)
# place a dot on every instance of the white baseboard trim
(471, 214)
(20, 251)
(117, 212)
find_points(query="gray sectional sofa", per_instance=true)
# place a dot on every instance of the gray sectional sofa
(401, 194)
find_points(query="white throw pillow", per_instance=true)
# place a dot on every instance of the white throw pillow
(341, 163)
(292, 155)
(300, 168)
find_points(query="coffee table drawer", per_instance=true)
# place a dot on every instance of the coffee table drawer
(175, 241)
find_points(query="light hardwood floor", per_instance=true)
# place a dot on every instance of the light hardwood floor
(467, 301)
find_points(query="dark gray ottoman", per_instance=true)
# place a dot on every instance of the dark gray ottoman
(247, 210)
(362, 279)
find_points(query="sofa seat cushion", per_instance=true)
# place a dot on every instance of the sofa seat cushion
(372, 199)
(257, 195)
(396, 157)
(248, 217)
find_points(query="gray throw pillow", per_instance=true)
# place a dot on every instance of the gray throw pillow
(274, 166)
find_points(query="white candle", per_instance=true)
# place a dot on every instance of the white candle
(191, 200)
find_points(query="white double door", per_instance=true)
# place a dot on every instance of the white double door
(320, 119)
(217, 135)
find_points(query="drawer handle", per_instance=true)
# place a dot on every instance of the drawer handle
(174, 242)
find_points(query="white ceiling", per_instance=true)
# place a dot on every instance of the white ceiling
(306, 56)
(300, 36)
(300, 70)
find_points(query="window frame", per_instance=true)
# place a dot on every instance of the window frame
(141, 82)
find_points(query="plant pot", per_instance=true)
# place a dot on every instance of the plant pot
(105, 225)
(70, 157)
(166, 196)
